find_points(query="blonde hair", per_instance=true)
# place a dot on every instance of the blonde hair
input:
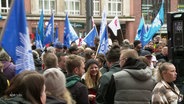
(161, 68)
(90, 83)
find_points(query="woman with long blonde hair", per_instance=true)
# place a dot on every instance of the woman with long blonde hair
(91, 79)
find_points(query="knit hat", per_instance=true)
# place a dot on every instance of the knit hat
(55, 81)
(89, 62)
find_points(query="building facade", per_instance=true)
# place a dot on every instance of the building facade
(128, 11)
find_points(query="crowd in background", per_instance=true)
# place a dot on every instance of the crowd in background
(127, 74)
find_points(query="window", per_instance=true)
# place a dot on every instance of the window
(115, 7)
(5, 5)
(96, 7)
(180, 5)
(72, 7)
(150, 9)
(47, 5)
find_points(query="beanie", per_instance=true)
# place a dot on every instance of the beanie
(55, 81)
(90, 62)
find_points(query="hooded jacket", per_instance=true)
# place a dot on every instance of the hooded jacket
(77, 89)
(132, 85)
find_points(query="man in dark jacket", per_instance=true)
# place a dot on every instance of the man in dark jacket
(75, 70)
(112, 62)
(133, 84)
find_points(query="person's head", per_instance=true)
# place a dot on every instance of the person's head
(113, 55)
(73, 49)
(4, 56)
(167, 72)
(158, 48)
(92, 67)
(28, 84)
(137, 45)
(55, 82)
(93, 74)
(58, 47)
(165, 51)
(75, 65)
(61, 60)
(50, 60)
(89, 54)
(101, 60)
(125, 54)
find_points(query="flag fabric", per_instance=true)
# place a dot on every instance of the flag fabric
(103, 23)
(103, 46)
(15, 38)
(89, 39)
(56, 36)
(155, 26)
(41, 26)
(141, 31)
(69, 33)
(38, 42)
(49, 33)
(114, 25)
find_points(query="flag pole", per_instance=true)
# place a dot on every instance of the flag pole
(97, 50)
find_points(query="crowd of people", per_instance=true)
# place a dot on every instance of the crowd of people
(127, 74)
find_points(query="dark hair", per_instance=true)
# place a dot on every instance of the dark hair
(136, 42)
(28, 84)
(113, 54)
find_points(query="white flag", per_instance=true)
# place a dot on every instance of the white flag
(114, 25)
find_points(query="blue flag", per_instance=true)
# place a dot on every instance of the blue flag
(15, 38)
(69, 33)
(103, 46)
(49, 31)
(41, 26)
(141, 31)
(56, 36)
(89, 39)
(38, 42)
(155, 26)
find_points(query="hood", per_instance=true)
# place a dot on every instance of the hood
(72, 80)
(142, 74)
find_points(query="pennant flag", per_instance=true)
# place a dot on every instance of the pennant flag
(49, 31)
(69, 33)
(56, 36)
(114, 25)
(15, 38)
(141, 31)
(89, 39)
(38, 42)
(103, 46)
(155, 26)
(41, 26)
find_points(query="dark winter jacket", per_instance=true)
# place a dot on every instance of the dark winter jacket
(104, 83)
(14, 100)
(78, 90)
